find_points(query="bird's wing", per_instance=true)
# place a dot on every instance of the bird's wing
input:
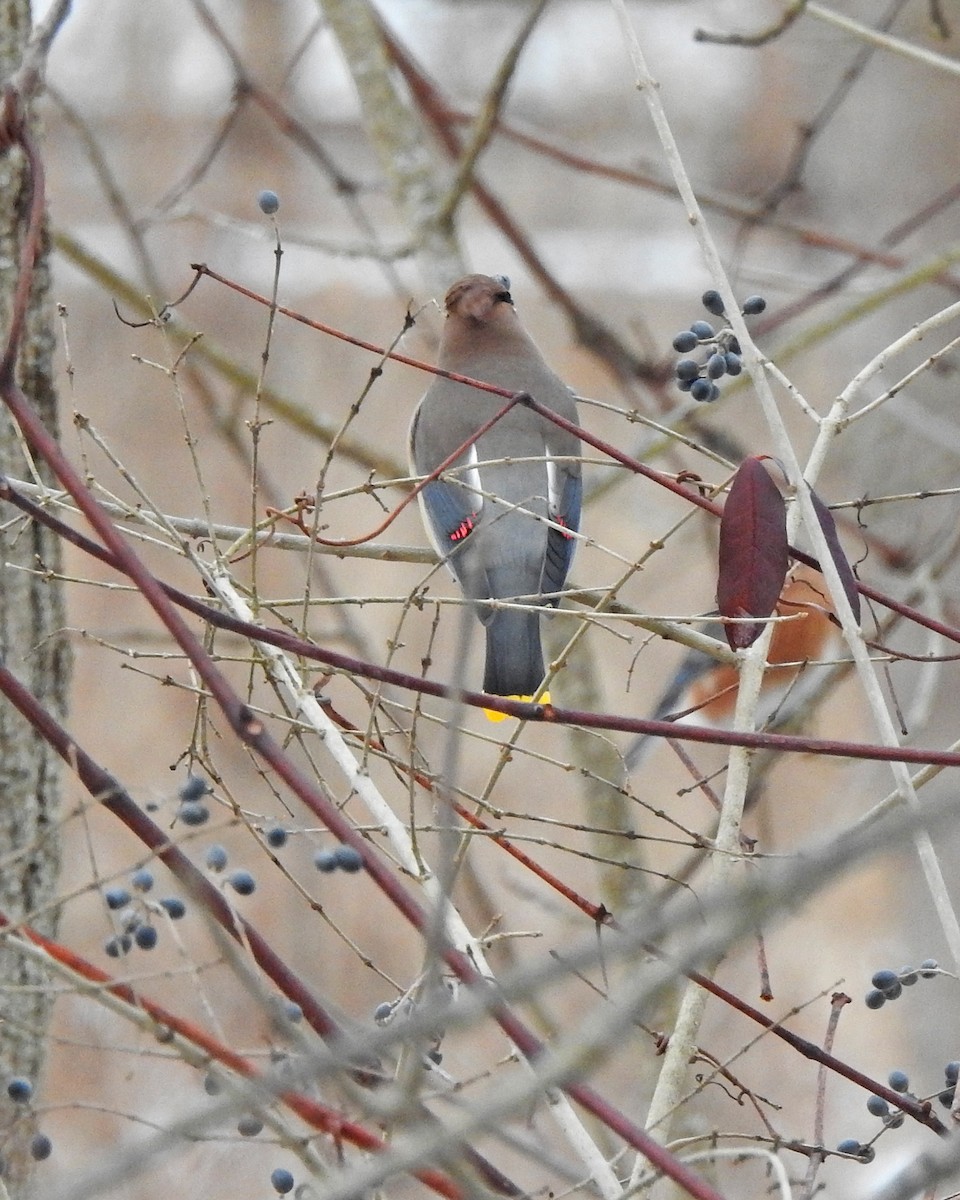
(564, 509)
(451, 509)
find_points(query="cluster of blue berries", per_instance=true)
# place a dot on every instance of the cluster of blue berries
(192, 809)
(878, 1107)
(20, 1091)
(341, 858)
(135, 927)
(242, 882)
(888, 984)
(722, 350)
(893, 1118)
(135, 922)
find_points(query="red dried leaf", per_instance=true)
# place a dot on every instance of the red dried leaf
(844, 570)
(753, 551)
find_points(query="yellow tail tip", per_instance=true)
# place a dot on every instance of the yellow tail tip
(494, 715)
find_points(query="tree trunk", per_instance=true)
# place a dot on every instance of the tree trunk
(33, 647)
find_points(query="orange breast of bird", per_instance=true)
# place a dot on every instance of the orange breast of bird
(794, 644)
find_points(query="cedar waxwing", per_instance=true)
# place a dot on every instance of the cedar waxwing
(710, 688)
(485, 514)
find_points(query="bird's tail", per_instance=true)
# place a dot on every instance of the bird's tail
(514, 657)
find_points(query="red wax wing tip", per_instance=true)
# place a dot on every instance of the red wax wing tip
(464, 528)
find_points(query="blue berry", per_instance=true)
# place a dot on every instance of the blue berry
(875, 999)
(684, 342)
(716, 366)
(276, 836)
(195, 787)
(19, 1090)
(713, 302)
(885, 979)
(242, 882)
(348, 859)
(40, 1147)
(216, 857)
(174, 906)
(383, 1012)
(142, 880)
(734, 363)
(898, 1081)
(908, 976)
(293, 1012)
(946, 1097)
(268, 201)
(116, 947)
(194, 813)
(849, 1146)
(867, 1154)
(212, 1085)
(685, 384)
(877, 1106)
(325, 861)
(753, 305)
(702, 390)
(687, 368)
(704, 330)
(951, 1071)
(146, 937)
(929, 968)
(281, 1181)
(116, 897)
(249, 1126)
(893, 992)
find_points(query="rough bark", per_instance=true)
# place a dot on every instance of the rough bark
(31, 618)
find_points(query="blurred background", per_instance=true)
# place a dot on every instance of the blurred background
(827, 168)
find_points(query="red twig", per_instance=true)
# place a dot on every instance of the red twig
(113, 796)
(434, 474)
(659, 477)
(317, 1115)
(202, 269)
(759, 739)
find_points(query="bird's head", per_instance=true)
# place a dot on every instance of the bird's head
(479, 298)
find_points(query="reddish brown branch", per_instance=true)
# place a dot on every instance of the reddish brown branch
(760, 740)
(661, 478)
(412, 495)
(592, 333)
(113, 796)
(318, 1116)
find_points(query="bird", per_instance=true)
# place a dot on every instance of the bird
(504, 515)
(705, 691)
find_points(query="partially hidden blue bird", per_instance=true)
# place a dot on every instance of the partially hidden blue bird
(503, 515)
